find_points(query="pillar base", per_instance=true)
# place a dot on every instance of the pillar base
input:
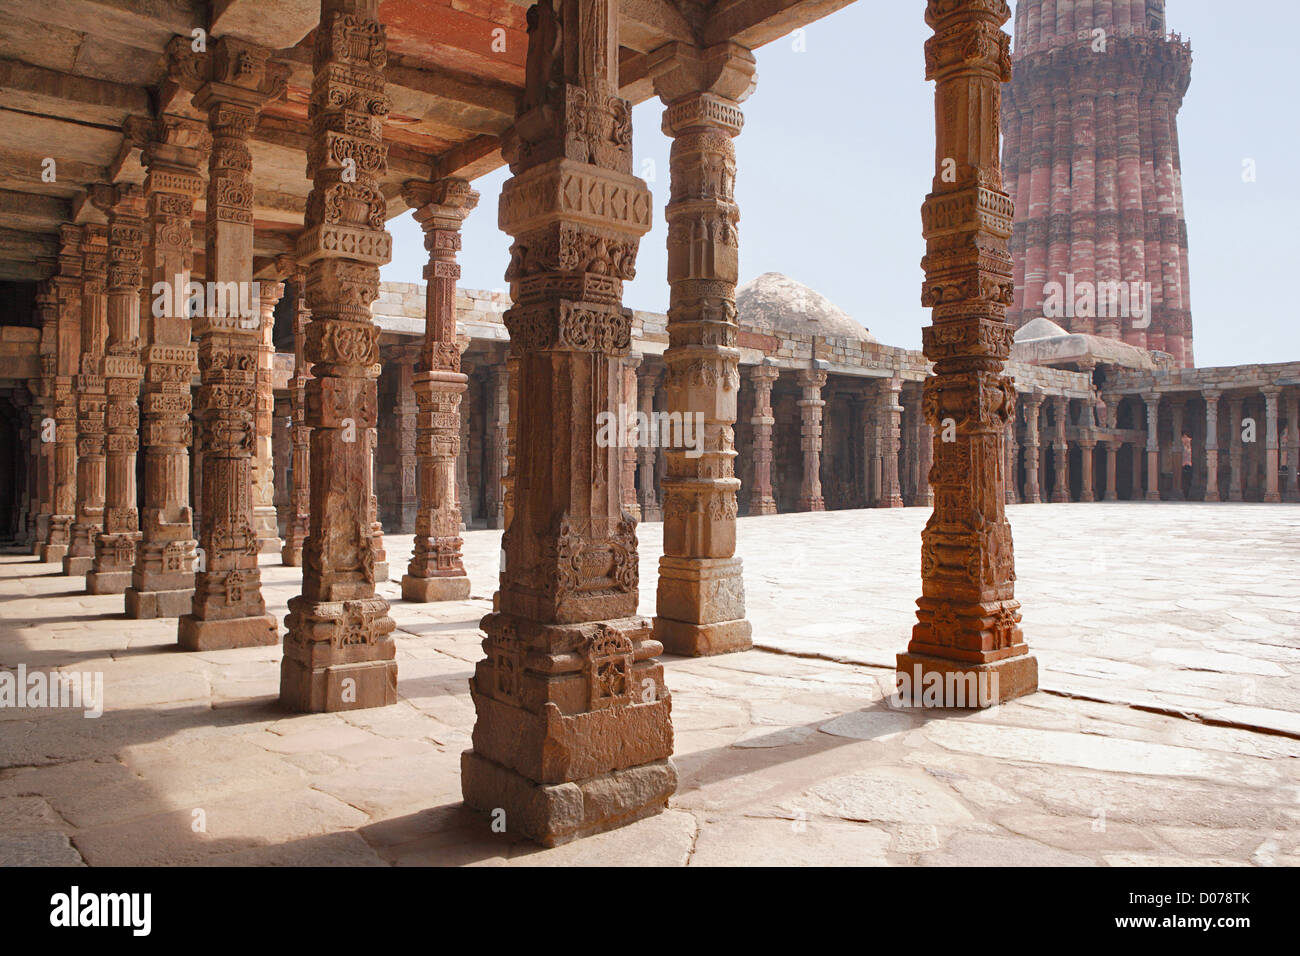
(145, 605)
(963, 684)
(53, 552)
(703, 640)
(551, 814)
(1060, 498)
(1272, 498)
(78, 565)
(425, 590)
(767, 506)
(355, 686)
(819, 504)
(290, 556)
(107, 582)
(195, 634)
(651, 513)
(894, 501)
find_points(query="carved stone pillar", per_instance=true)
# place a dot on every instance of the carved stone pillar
(1271, 491)
(380, 565)
(1211, 397)
(632, 434)
(1176, 409)
(264, 522)
(498, 441)
(647, 378)
(967, 617)
(1292, 492)
(889, 416)
(1061, 449)
(1086, 490)
(42, 423)
(701, 594)
(761, 500)
(572, 734)
(512, 439)
(926, 452)
(1236, 450)
(162, 581)
(405, 415)
(464, 494)
(67, 293)
(115, 547)
(1112, 451)
(282, 455)
(1152, 400)
(91, 403)
(338, 649)
(295, 537)
(810, 438)
(437, 572)
(1033, 413)
(228, 609)
(1013, 459)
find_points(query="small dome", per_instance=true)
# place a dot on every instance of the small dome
(779, 303)
(1039, 328)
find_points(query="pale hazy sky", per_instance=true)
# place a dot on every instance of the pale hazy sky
(837, 154)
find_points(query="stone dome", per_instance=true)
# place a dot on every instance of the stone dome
(1039, 328)
(774, 302)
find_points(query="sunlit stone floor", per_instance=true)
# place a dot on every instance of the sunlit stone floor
(1168, 634)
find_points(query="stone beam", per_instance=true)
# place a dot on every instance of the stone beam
(77, 99)
(35, 213)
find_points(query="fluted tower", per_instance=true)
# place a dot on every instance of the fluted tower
(1091, 158)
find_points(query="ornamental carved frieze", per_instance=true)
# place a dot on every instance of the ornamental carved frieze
(570, 326)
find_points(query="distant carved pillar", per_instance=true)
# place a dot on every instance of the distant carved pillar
(282, 454)
(300, 496)
(43, 425)
(647, 377)
(761, 500)
(1211, 397)
(464, 494)
(1176, 410)
(1292, 492)
(228, 608)
(115, 548)
(1013, 459)
(91, 403)
(810, 413)
(629, 407)
(1236, 450)
(572, 730)
(404, 422)
(1033, 412)
(968, 620)
(67, 293)
(498, 442)
(700, 605)
(264, 518)
(1271, 491)
(1152, 400)
(1086, 490)
(1061, 449)
(437, 571)
(891, 413)
(1112, 451)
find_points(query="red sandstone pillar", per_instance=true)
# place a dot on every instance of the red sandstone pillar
(67, 291)
(1271, 492)
(295, 535)
(1211, 444)
(890, 414)
(967, 617)
(1176, 410)
(1112, 451)
(1061, 449)
(115, 548)
(1033, 411)
(647, 377)
(437, 571)
(629, 408)
(1235, 449)
(1086, 490)
(572, 732)
(1013, 461)
(338, 648)
(1292, 492)
(1152, 400)
(810, 411)
(263, 462)
(91, 403)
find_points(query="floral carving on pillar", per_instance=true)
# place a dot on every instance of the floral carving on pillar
(437, 572)
(339, 651)
(968, 620)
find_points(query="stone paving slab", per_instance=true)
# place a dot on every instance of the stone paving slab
(1169, 638)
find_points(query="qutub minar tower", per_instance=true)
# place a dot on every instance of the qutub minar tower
(1091, 159)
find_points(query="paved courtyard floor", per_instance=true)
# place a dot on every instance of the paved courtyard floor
(1167, 729)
